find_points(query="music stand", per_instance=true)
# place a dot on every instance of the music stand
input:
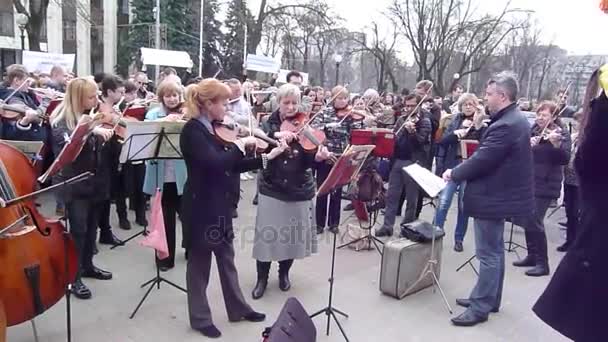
(150, 141)
(432, 185)
(343, 172)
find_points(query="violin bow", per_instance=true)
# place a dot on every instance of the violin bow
(554, 116)
(415, 109)
(27, 81)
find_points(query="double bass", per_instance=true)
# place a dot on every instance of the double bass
(38, 257)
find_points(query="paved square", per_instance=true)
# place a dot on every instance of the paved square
(373, 316)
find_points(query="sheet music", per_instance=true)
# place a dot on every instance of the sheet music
(143, 138)
(427, 180)
(346, 168)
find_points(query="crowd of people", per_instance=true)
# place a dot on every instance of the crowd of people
(515, 173)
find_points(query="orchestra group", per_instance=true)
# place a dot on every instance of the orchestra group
(515, 174)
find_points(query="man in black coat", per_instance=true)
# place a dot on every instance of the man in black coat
(410, 147)
(499, 180)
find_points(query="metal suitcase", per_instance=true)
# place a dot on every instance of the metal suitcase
(403, 263)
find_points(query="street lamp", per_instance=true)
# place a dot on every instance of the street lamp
(338, 60)
(22, 20)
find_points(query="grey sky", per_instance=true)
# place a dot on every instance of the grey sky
(574, 25)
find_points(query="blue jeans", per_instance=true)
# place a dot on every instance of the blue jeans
(489, 242)
(445, 201)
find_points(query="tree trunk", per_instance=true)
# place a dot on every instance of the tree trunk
(321, 72)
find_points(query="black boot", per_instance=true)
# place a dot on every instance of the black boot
(107, 237)
(542, 259)
(284, 266)
(530, 259)
(263, 269)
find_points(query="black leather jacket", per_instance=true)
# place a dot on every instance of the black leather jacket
(289, 176)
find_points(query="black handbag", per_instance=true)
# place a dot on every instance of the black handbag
(420, 231)
(292, 325)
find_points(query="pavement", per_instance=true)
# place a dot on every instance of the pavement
(372, 315)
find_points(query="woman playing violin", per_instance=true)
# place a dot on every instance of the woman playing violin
(337, 120)
(551, 151)
(284, 224)
(82, 200)
(212, 187)
(167, 175)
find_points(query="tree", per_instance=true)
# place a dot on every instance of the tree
(236, 20)
(447, 36)
(212, 38)
(383, 53)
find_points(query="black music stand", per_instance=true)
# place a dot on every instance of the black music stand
(151, 141)
(145, 145)
(371, 209)
(344, 170)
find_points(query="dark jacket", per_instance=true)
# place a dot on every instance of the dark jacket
(499, 174)
(575, 301)
(413, 146)
(289, 176)
(97, 187)
(212, 186)
(449, 143)
(549, 165)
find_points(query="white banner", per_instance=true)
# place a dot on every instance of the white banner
(262, 63)
(178, 59)
(283, 76)
(43, 61)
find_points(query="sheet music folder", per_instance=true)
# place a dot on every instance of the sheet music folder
(152, 140)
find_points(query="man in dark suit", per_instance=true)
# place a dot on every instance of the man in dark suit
(499, 179)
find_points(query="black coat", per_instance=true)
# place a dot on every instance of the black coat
(549, 164)
(97, 187)
(212, 185)
(499, 174)
(289, 176)
(575, 301)
(413, 146)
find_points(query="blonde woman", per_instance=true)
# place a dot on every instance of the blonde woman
(82, 200)
(167, 175)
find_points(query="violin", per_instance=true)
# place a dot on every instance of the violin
(229, 131)
(16, 112)
(356, 114)
(309, 138)
(35, 267)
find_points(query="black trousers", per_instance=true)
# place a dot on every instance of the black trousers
(83, 216)
(263, 267)
(171, 206)
(133, 178)
(572, 204)
(327, 216)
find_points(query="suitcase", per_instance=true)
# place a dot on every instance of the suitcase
(382, 138)
(292, 325)
(403, 262)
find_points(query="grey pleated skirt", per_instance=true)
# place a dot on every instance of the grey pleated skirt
(284, 230)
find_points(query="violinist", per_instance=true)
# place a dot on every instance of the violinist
(551, 152)
(212, 187)
(413, 131)
(167, 175)
(467, 123)
(112, 92)
(82, 200)
(284, 228)
(317, 96)
(337, 121)
(28, 127)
